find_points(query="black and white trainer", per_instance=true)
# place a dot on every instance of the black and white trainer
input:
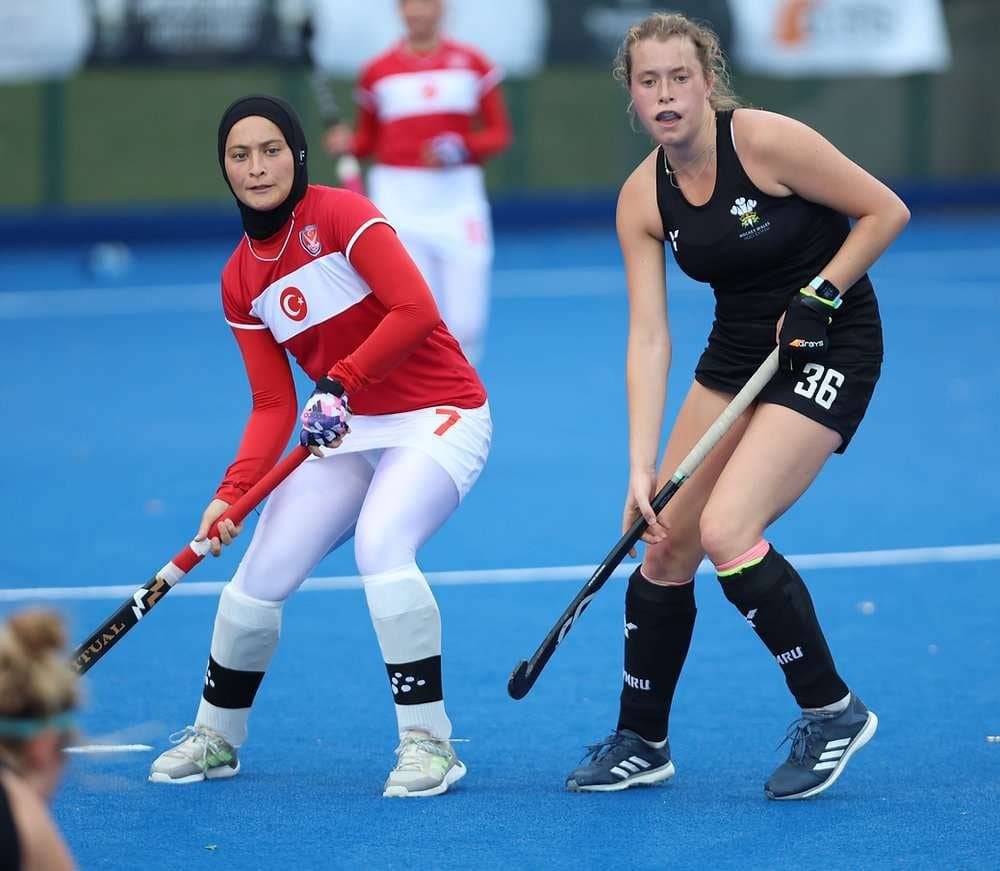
(621, 760)
(821, 748)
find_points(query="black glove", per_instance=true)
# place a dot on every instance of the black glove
(803, 337)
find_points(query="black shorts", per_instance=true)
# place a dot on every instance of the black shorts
(834, 391)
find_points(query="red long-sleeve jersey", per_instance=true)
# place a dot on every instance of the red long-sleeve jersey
(337, 290)
(407, 99)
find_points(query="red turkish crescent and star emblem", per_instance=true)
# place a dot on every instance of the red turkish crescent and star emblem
(293, 303)
(309, 239)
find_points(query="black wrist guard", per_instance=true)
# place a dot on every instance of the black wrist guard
(326, 384)
(817, 305)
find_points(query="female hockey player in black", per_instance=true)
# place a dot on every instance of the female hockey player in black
(759, 206)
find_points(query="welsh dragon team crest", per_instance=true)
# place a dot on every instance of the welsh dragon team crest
(309, 237)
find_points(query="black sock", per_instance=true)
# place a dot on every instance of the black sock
(415, 683)
(229, 688)
(774, 601)
(659, 621)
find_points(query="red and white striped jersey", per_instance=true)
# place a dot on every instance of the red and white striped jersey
(407, 99)
(300, 286)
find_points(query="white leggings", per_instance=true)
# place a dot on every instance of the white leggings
(459, 278)
(391, 510)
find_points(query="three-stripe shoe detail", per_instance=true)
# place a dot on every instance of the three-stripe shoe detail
(821, 748)
(620, 761)
(831, 754)
(630, 766)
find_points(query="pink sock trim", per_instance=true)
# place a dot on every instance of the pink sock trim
(754, 555)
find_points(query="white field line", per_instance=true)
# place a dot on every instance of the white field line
(852, 559)
(94, 749)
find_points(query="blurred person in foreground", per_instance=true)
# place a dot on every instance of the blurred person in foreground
(430, 112)
(760, 207)
(38, 692)
(320, 274)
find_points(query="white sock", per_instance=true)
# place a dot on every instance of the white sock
(243, 642)
(429, 717)
(408, 625)
(830, 710)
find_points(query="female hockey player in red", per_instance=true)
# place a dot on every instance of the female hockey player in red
(431, 111)
(321, 275)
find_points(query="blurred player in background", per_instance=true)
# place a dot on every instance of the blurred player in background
(430, 112)
(38, 692)
(321, 275)
(759, 206)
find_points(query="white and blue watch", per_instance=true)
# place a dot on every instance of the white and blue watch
(824, 291)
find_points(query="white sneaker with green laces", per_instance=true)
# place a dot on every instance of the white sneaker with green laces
(200, 754)
(424, 767)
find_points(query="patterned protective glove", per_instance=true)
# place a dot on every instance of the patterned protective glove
(449, 149)
(803, 337)
(326, 414)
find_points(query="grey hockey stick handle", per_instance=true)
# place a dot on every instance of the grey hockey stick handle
(740, 403)
(526, 672)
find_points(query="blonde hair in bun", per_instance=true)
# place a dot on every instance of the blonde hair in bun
(36, 680)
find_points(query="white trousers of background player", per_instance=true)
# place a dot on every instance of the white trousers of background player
(391, 509)
(442, 217)
(459, 278)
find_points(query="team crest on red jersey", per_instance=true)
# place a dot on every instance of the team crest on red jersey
(309, 237)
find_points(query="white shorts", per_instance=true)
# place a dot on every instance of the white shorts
(458, 439)
(444, 209)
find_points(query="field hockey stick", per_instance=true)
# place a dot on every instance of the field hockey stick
(526, 672)
(141, 602)
(348, 168)
(349, 173)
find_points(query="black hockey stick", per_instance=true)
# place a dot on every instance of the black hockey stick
(141, 602)
(526, 673)
(348, 168)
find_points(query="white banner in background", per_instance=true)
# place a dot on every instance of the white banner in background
(513, 34)
(840, 37)
(42, 39)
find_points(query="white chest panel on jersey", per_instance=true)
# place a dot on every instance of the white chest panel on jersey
(434, 92)
(310, 295)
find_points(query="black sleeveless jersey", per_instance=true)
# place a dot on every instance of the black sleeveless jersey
(10, 844)
(756, 251)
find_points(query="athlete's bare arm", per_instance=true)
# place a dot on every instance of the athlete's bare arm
(42, 845)
(784, 156)
(640, 236)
